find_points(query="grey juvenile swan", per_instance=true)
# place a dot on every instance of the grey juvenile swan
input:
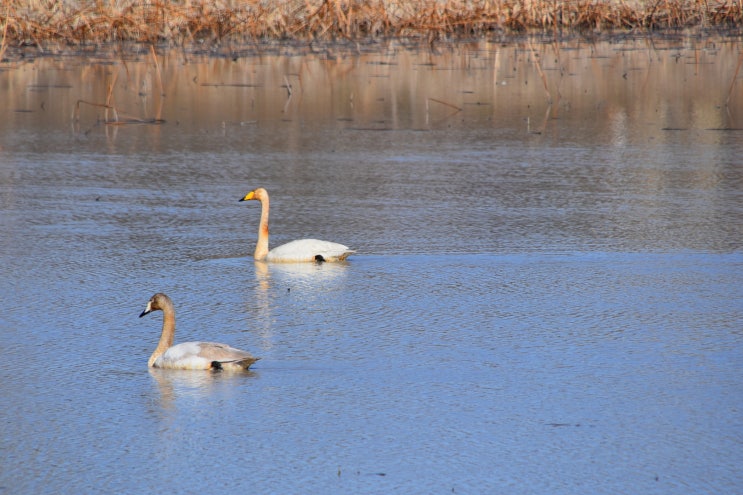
(191, 355)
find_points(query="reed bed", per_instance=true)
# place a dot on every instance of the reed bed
(34, 23)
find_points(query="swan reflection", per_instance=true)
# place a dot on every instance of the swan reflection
(173, 385)
(285, 291)
(305, 273)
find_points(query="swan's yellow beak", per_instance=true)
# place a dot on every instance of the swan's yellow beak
(249, 196)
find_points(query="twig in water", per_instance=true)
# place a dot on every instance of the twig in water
(76, 113)
(117, 121)
(528, 127)
(458, 109)
(288, 87)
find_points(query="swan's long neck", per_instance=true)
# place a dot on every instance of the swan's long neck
(167, 335)
(261, 247)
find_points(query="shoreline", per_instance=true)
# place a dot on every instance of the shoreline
(36, 24)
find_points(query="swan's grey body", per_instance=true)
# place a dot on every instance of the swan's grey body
(191, 355)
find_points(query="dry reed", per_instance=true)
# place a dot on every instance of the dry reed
(38, 22)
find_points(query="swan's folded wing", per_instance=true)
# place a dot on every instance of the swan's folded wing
(202, 355)
(222, 352)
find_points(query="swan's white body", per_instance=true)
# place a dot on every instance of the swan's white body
(308, 250)
(300, 251)
(191, 355)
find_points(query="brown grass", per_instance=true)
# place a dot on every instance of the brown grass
(37, 22)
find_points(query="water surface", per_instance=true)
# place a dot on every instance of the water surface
(546, 296)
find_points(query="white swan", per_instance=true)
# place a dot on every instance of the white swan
(191, 355)
(302, 250)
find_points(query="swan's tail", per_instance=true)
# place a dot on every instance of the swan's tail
(247, 362)
(236, 365)
(345, 255)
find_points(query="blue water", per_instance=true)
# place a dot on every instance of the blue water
(525, 314)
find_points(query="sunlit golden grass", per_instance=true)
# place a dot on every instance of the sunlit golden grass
(77, 22)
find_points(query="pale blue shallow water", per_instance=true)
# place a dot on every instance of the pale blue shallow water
(524, 314)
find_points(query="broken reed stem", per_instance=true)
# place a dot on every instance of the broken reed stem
(538, 65)
(735, 76)
(458, 109)
(109, 100)
(76, 114)
(157, 70)
(288, 87)
(158, 113)
(117, 120)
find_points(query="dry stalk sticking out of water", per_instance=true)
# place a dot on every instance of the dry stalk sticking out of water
(117, 118)
(85, 21)
(538, 65)
(735, 77)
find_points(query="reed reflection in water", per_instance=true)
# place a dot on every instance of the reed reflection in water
(653, 84)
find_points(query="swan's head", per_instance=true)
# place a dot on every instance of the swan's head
(158, 301)
(258, 194)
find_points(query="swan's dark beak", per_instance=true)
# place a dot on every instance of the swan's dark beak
(147, 310)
